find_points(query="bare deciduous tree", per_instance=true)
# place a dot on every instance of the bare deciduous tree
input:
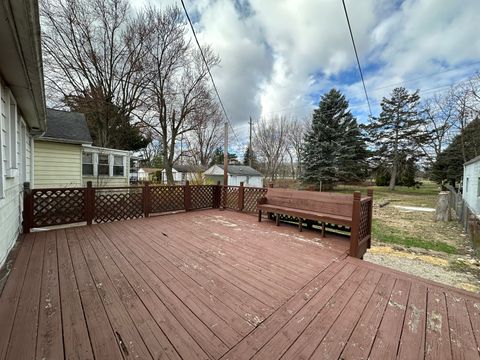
(207, 135)
(95, 47)
(270, 142)
(178, 89)
(295, 140)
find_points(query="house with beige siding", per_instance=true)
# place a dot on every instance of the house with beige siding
(64, 155)
(22, 110)
(58, 152)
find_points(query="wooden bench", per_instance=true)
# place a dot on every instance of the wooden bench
(352, 213)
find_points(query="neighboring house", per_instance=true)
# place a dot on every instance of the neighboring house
(22, 110)
(236, 175)
(182, 173)
(147, 174)
(58, 152)
(471, 184)
(64, 156)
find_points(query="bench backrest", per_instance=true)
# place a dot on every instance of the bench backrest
(327, 203)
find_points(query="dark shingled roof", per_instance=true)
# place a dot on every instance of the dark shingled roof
(188, 168)
(243, 170)
(67, 126)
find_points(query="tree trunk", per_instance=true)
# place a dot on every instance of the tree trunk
(443, 213)
(393, 176)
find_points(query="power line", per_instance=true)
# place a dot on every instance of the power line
(209, 73)
(356, 55)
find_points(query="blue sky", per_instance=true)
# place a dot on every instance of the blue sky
(279, 56)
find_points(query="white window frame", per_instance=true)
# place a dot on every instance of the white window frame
(93, 163)
(123, 165)
(12, 169)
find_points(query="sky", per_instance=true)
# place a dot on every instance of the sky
(279, 56)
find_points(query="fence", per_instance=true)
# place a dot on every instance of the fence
(60, 206)
(465, 215)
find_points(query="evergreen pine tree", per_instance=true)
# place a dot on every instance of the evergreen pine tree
(398, 132)
(334, 149)
(448, 166)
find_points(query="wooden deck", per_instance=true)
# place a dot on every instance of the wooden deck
(218, 285)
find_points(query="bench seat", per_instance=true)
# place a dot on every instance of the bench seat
(306, 214)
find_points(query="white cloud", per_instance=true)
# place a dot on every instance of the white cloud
(279, 56)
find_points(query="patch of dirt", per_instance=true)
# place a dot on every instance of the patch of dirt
(458, 271)
(421, 224)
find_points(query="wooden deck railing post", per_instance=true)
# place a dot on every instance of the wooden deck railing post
(241, 197)
(27, 208)
(187, 196)
(89, 203)
(146, 199)
(370, 216)
(354, 231)
(217, 195)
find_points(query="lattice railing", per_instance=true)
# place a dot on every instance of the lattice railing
(201, 196)
(57, 206)
(229, 198)
(251, 195)
(166, 198)
(47, 207)
(364, 228)
(118, 204)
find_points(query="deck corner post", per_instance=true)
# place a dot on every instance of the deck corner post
(370, 217)
(89, 203)
(187, 195)
(27, 208)
(241, 196)
(146, 199)
(216, 195)
(354, 231)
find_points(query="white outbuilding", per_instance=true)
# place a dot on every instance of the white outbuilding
(471, 184)
(236, 175)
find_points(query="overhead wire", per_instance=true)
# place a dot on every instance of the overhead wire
(356, 56)
(209, 72)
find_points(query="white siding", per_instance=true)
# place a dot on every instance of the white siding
(17, 147)
(471, 192)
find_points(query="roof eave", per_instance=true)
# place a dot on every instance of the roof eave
(21, 60)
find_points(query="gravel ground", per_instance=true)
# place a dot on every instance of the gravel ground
(436, 267)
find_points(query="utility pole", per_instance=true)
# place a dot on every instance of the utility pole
(250, 144)
(225, 156)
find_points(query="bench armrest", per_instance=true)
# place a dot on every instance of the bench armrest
(262, 200)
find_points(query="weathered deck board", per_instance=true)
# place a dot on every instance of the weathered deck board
(216, 284)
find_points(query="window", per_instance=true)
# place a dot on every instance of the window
(118, 166)
(87, 164)
(103, 165)
(478, 187)
(13, 135)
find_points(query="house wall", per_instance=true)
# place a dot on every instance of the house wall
(15, 149)
(471, 184)
(105, 181)
(57, 164)
(233, 180)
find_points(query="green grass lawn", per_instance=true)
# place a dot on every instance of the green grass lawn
(387, 229)
(387, 234)
(425, 195)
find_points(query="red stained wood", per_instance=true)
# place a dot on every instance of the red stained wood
(213, 284)
(11, 292)
(388, 334)
(49, 340)
(23, 338)
(437, 344)
(462, 339)
(412, 343)
(76, 341)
